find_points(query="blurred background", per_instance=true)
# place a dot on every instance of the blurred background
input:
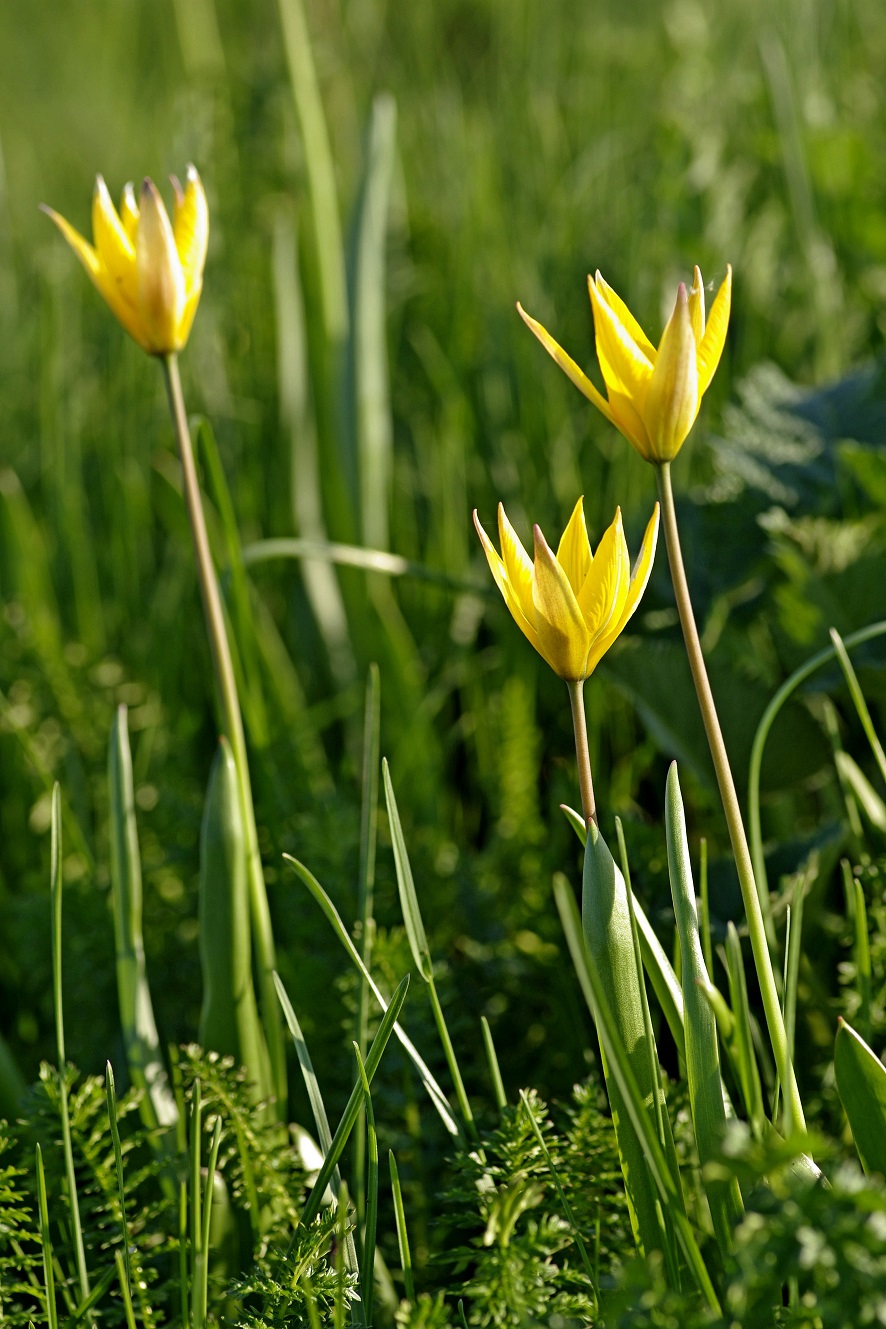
(385, 181)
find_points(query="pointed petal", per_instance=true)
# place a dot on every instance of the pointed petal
(567, 364)
(161, 282)
(517, 562)
(625, 368)
(574, 549)
(499, 573)
(129, 212)
(639, 578)
(604, 593)
(82, 248)
(673, 397)
(625, 317)
(711, 346)
(191, 229)
(113, 244)
(101, 278)
(562, 634)
(696, 305)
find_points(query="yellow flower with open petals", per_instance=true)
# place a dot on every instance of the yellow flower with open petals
(149, 270)
(652, 396)
(573, 604)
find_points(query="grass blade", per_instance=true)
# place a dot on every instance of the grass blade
(861, 1082)
(55, 892)
(498, 1087)
(402, 1235)
(702, 1052)
(858, 701)
(367, 1264)
(349, 1117)
(144, 1056)
(366, 895)
(46, 1244)
(438, 1098)
(418, 943)
(758, 747)
(121, 1191)
(229, 1019)
(749, 1074)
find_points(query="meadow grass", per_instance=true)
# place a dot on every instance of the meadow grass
(372, 392)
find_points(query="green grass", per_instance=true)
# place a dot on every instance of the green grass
(530, 144)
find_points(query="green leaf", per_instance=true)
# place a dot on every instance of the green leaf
(229, 1020)
(438, 1098)
(415, 928)
(352, 1110)
(870, 802)
(665, 983)
(861, 1083)
(622, 1072)
(702, 1051)
(606, 922)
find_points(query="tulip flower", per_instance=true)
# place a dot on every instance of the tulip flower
(653, 396)
(149, 270)
(573, 604)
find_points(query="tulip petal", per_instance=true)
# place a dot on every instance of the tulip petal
(696, 305)
(562, 633)
(574, 549)
(605, 590)
(500, 575)
(636, 587)
(625, 368)
(112, 243)
(191, 230)
(567, 364)
(711, 345)
(673, 397)
(161, 282)
(103, 282)
(129, 212)
(518, 564)
(629, 422)
(625, 317)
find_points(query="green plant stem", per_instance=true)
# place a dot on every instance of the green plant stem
(582, 754)
(233, 725)
(729, 797)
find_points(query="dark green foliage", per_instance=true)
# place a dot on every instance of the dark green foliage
(507, 1247)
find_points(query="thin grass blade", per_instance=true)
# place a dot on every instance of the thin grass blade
(438, 1098)
(144, 1055)
(402, 1234)
(367, 1263)
(702, 1051)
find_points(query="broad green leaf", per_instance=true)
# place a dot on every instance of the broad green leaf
(665, 983)
(702, 1051)
(620, 1064)
(606, 923)
(861, 1083)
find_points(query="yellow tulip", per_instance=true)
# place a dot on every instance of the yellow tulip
(573, 604)
(149, 270)
(652, 396)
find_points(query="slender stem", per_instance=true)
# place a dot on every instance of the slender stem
(583, 756)
(729, 797)
(233, 726)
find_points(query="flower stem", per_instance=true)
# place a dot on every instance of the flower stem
(583, 756)
(762, 959)
(232, 720)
